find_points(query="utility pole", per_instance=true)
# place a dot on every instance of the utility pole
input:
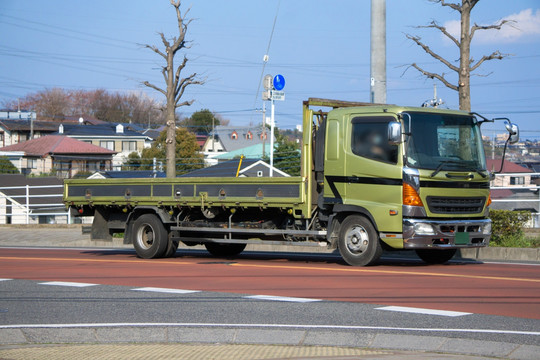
(378, 52)
(263, 128)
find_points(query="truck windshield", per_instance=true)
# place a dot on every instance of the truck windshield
(444, 142)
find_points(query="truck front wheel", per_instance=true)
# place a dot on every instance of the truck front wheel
(435, 256)
(150, 238)
(358, 242)
(224, 250)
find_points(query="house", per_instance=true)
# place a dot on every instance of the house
(9, 114)
(230, 138)
(16, 131)
(127, 174)
(250, 152)
(512, 174)
(31, 200)
(248, 168)
(82, 120)
(114, 137)
(60, 154)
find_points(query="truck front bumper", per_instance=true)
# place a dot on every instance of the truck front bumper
(445, 234)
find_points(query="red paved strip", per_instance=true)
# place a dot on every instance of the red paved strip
(495, 289)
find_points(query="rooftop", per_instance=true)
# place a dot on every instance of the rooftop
(56, 144)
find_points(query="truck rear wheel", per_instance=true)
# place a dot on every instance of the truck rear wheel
(150, 238)
(358, 242)
(224, 250)
(435, 256)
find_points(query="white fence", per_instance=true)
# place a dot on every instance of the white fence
(30, 204)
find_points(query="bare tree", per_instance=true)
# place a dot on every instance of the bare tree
(175, 84)
(466, 64)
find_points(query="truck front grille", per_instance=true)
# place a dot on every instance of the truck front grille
(455, 205)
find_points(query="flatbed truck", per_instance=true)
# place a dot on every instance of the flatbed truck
(373, 177)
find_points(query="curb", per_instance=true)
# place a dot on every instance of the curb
(101, 334)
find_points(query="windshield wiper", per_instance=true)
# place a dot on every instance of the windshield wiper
(445, 162)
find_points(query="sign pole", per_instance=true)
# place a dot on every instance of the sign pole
(272, 138)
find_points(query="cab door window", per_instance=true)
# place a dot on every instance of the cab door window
(370, 140)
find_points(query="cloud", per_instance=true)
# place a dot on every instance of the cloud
(526, 25)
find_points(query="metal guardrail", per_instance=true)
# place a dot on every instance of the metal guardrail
(29, 209)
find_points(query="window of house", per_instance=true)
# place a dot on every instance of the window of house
(249, 135)
(370, 140)
(129, 146)
(517, 180)
(234, 135)
(92, 166)
(31, 163)
(107, 144)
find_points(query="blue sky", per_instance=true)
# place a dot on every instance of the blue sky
(320, 47)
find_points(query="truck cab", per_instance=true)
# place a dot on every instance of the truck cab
(413, 178)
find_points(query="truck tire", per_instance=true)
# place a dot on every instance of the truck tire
(358, 241)
(224, 250)
(172, 246)
(435, 256)
(150, 238)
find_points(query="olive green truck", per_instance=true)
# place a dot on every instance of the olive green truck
(373, 177)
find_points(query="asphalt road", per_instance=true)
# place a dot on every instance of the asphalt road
(488, 302)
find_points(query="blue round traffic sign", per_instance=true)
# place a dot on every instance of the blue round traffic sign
(279, 82)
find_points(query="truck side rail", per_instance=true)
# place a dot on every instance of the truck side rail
(282, 192)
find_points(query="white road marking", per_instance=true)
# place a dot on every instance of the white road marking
(280, 298)
(164, 290)
(65, 283)
(273, 326)
(423, 311)
(5, 279)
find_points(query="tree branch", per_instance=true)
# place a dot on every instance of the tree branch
(488, 27)
(179, 69)
(184, 84)
(146, 83)
(164, 40)
(494, 55)
(456, 7)
(441, 29)
(426, 48)
(431, 75)
(156, 50)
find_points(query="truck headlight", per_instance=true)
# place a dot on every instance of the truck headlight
(424, 229)
(486, 229)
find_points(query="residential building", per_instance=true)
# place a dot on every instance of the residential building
(512, 174)
(114, 137)
(16, 131)
(9, 114)
(247, 168)
(59, 154)
(127, 174)
(230, 138)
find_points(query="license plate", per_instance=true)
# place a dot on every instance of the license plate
(462, 238)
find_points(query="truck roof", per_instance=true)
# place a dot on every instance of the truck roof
(364, 107)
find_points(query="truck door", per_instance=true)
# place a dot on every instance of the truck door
(373, 169)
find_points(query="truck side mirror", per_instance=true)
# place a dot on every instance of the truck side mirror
(513, 131)
(394, 132)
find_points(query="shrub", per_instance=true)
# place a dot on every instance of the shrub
(507, 227)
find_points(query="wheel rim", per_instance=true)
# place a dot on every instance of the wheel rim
(145, 236)
(357, 239)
